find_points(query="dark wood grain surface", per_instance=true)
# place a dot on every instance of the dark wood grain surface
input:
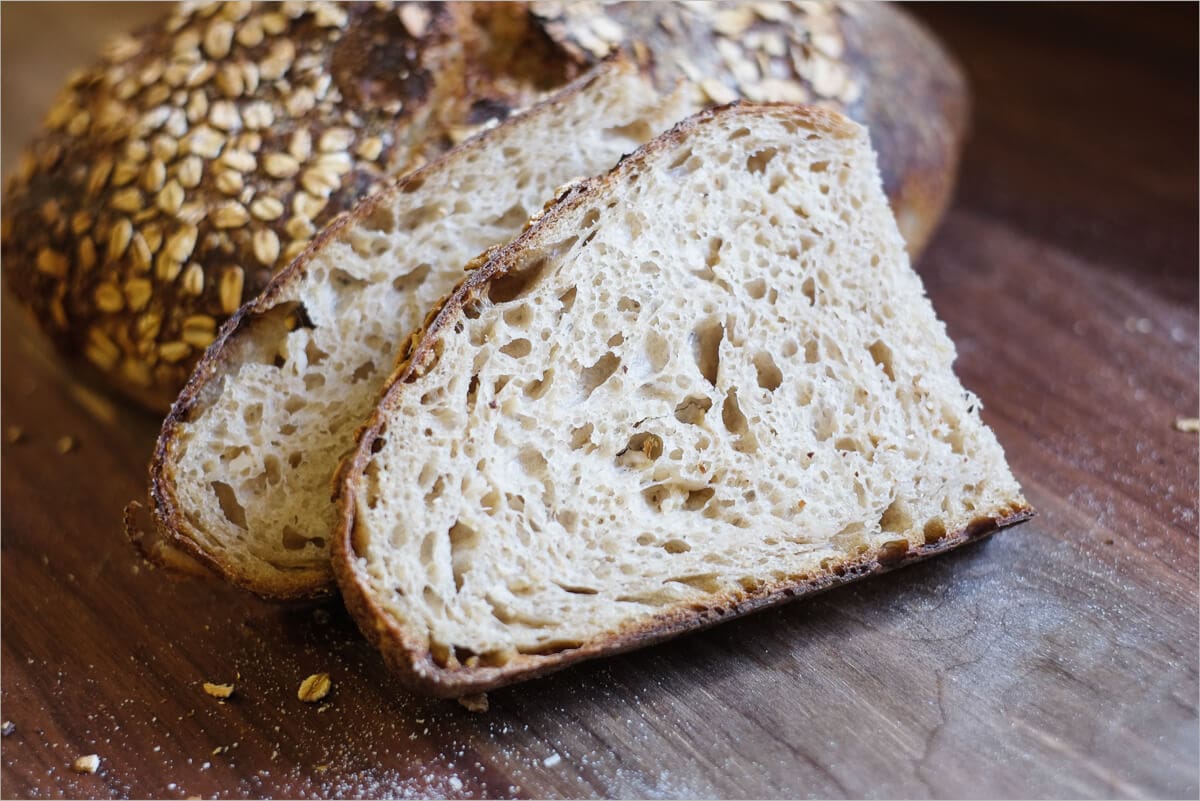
(1057, 659)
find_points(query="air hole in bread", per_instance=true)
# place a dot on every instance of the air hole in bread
(769, 374)
(637, 132)
(381, 219)
(314, 354)
(517, 349)
(367, 247)
(739, 133)
(372, 474)
(512, 218)
(412, 280)
(378, 444)
(882, 355)
(812, 351)
(234, 512)
(641, 451)
(463, 541)
(577, 590)
(697, 499)
(896, 518)
(735, 423)
(533, 462)
(628, 305)
(295, 460)
(756, 288)
(691, 410)
(809, 289)
(343, 281)
(363, 372)
(591, 218)
(818, 166)
(676, 546)
(658, 351)
(435, 492)
(581, 436)
(313, 381)
(516, 282)
(567, 299)
(421, 216)
(934, 530)
(592, 377)
(519, 315)
(553, 647)
(295, 541)
(705, 582)
(706, 348)
(538, 387)
(714, 252)
(567, 519)
(684, 155)
(757, 162)
(252, 414)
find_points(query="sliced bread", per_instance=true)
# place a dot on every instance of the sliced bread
(704, 383)
(241, 474)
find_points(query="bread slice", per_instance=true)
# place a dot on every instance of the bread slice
(241, 475)
(704, 383)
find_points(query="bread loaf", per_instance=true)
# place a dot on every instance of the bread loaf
(202, 154)
(241, 476)
(702, 384)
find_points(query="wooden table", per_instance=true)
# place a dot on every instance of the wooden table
(1058, 659)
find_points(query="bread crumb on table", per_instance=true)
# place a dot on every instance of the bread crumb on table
(314, 688)
(218, 690)
(474, 703)
(66, 444)
(14, 434)
(1189, 424)
(552, 760)
(86, 764)
(8, 728)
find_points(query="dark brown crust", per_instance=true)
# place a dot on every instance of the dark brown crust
(172, 525)
(410, 659)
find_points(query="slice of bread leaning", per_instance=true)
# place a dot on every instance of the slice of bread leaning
(242, 473)
(704, 383)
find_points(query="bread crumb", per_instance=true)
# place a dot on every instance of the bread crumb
(86, 764)
(314, 688)
(15, 434)
(8, 728)
(1189, 424)
(218, 690)
(455, 783)
(474, 703)
(66, 444)
(552, 760)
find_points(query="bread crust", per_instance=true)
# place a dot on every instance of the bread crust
(173, 526)
(409, 658)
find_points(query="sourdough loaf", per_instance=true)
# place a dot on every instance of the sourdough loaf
(202, 154)
(241, 475)
(704, 383)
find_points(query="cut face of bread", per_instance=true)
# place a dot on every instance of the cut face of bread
(241, 477)
(703, 383)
